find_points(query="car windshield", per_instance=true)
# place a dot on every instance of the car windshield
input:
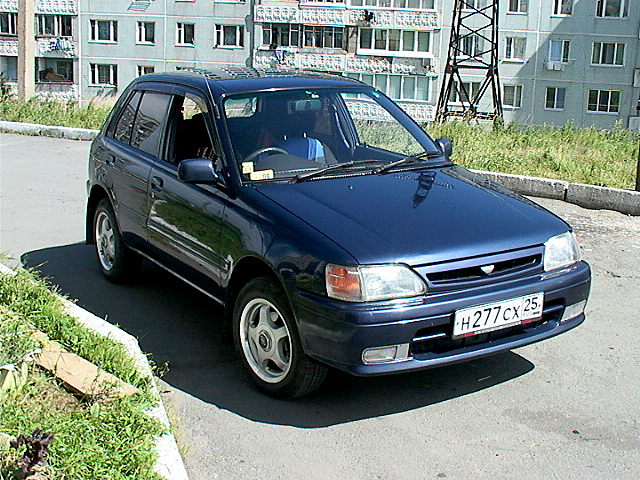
(318, 133)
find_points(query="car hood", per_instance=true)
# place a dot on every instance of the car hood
(417, 217)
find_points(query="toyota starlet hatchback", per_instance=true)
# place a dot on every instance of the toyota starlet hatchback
(334, 231)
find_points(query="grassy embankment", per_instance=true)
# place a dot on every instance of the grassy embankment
(581, 155)
(92, 439)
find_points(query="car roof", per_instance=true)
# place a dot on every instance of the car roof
(244, 79)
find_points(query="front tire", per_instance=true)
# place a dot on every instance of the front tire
(267, 340)
(116, 261)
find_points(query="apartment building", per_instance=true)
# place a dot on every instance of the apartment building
(559, 60)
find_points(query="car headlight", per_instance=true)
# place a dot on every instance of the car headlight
(372, 282)
(560, 251)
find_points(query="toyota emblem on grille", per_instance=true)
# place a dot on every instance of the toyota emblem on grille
(487, 269)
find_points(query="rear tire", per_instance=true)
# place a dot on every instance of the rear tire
(266, 337)
(116, 261)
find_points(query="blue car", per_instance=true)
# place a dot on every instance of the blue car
(334, 231)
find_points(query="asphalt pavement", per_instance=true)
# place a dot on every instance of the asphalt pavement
(566, 408)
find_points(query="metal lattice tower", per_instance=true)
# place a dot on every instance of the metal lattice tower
(474, 27)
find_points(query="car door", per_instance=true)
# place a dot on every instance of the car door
(185, 219)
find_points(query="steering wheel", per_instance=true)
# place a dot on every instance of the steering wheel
(260, 151)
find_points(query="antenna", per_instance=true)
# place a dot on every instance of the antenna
(473, 48)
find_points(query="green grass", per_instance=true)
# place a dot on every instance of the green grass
(579, 155)
(93, 440)
(51, 112)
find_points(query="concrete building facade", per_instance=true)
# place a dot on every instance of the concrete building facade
(559, 60)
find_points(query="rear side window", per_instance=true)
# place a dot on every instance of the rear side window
(149, 122)
(121, 130)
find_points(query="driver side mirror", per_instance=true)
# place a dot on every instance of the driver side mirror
(445, 146)
(198, 170)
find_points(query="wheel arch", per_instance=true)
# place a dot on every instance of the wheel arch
(95, 196)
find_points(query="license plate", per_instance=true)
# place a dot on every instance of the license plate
(497, 315)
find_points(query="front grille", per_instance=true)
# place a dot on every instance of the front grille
(437, 340)
(476, 271)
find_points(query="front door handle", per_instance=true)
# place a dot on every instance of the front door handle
(156, 184)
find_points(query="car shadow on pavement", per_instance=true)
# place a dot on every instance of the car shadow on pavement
(181, 328)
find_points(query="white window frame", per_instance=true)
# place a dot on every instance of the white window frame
(601, 9)
(182, 34)
(471, 4)
(335, 35)
(472, 89)
(382, 81)
(558, 103)
(517, 96)
(611, 108)
(518, 6)
(95, 30)
(57, 25)
(617, 62)
(141, 33)
(11, 20)
(144, 70)
(220, 36)
(564, 51)
(402, 50)
(96, 73)
(515, 49)
(293, 33)
(560, 5)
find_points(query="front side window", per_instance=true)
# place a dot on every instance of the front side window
(559, 51)
(607, 53)
(103, 30)
(515, 48)
(562, 7)
(603, 101)
(512, 96)
(555, 98)
(229, 36)
(185, 33)
(54, 25)
(8, 23)
(104, 74)
(518, 6)
(612, 8)
(146, 32)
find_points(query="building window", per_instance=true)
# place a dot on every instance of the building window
(559, 51)
(8, 23)
(54, 25)
(512, 96)
(54, 70)
(555, 98)
(515, 48)
(457, 95)
(398, 87)
(323, 37)
(607, 54)
(612, 8)
(471, 46)
(229, 36)
(146, 32)
(394, 40)
(104, 74)
(144, 70)
(562, 7)
(603, 101)
(103, 31)
(185, 33)
(281, 35)
(474, 4)
(418, 4)
(518, 6)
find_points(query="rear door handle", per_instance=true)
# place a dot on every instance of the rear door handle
(156, 184)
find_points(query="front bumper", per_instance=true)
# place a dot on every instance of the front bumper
(337, 333)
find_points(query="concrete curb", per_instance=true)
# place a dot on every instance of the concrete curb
(169, 463)
(588, 196)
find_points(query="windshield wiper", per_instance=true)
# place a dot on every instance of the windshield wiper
(333, 168)
(408, 159)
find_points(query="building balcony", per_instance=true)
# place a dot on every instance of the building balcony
(57, 47)
(323, 14)
(61, 91)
